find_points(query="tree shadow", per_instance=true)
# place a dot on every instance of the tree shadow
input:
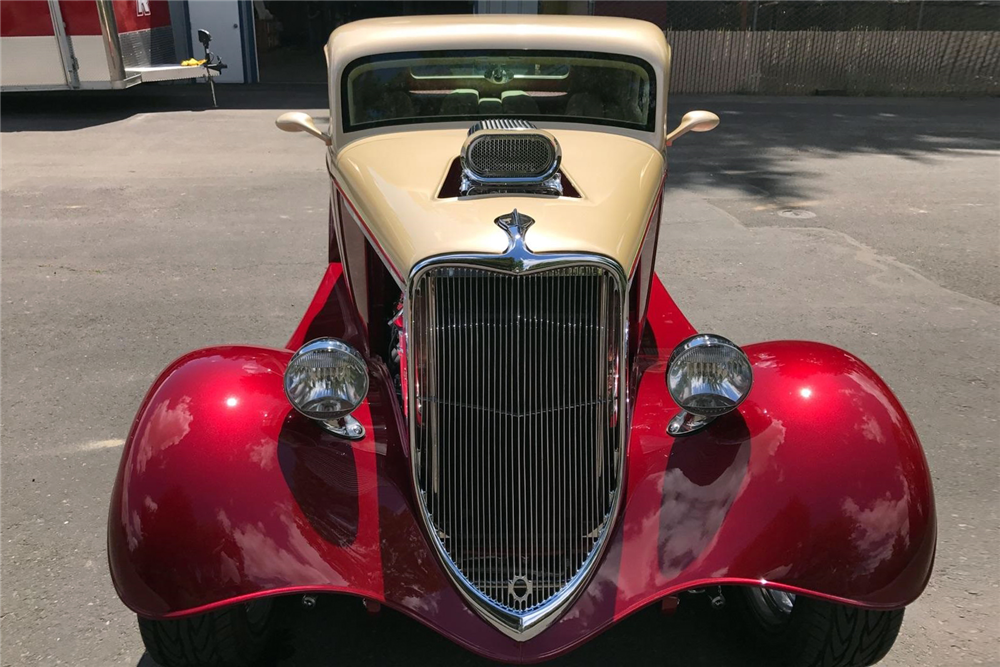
(758, 145)
(61, 111)
(754, 150)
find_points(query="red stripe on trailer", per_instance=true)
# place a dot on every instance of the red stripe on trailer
(25, 19)
(80, 17)
(31, 18)
(129, 20)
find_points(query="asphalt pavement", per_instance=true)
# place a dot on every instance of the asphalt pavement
(139, 225)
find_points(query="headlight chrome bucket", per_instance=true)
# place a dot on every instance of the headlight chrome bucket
(326, 380)
(707, 376)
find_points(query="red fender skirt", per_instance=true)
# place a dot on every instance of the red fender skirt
(817, 485)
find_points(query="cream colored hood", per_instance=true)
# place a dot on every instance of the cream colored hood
(393, 181)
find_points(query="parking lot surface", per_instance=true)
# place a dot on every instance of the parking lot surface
(137, 226)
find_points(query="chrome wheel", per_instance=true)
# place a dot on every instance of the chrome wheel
(772, 607)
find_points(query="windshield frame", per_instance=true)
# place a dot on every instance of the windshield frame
(345, 74)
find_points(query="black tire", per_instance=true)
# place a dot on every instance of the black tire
(813, 633)
(235, 636)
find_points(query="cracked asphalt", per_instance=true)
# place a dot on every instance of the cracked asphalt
(137, 226)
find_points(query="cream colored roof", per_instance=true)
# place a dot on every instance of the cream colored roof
(496, 31)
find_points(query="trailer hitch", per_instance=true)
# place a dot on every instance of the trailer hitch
(212, 62)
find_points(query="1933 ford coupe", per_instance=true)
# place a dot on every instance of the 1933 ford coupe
(493, 417)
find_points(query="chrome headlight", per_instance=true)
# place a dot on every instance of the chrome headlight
(708, 375)
(326, 379)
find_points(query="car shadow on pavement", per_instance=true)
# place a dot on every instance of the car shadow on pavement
(61, 111)
(339, 630)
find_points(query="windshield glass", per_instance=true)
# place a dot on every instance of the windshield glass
(405, 88)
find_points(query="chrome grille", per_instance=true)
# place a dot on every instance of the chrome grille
(501, 124)
(516, 435)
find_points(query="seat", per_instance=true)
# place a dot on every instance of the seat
(614, 112)
(461, 102)
(398, 105)
(490, 106)
(518, 103)
(585, 105)
(388, 106)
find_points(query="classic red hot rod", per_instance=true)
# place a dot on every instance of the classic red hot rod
(492, 416)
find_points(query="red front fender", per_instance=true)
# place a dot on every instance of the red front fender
(216, 495)
(817, 485)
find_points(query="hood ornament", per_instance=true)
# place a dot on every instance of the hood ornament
(515, 224)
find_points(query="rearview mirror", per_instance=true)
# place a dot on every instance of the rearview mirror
(205, 37)
(693, 121)
(297, 121)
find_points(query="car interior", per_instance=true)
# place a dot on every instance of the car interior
(593, 93)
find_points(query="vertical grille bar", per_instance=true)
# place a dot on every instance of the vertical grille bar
(515, 436)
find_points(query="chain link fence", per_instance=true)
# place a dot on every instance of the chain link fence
(786, 47)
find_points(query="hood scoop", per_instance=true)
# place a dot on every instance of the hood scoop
(506, 156)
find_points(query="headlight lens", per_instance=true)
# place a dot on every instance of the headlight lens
(326, 379)
(708, 375)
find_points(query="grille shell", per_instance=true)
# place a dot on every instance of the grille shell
(517, 439)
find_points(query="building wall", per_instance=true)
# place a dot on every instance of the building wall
(847, 63)
(754, 47)
(906, 47)
(222, 19)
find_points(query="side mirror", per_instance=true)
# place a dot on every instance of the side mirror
(296, 121)
(693, 121)
(205, 37)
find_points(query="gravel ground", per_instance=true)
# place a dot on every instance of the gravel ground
(135, 228)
